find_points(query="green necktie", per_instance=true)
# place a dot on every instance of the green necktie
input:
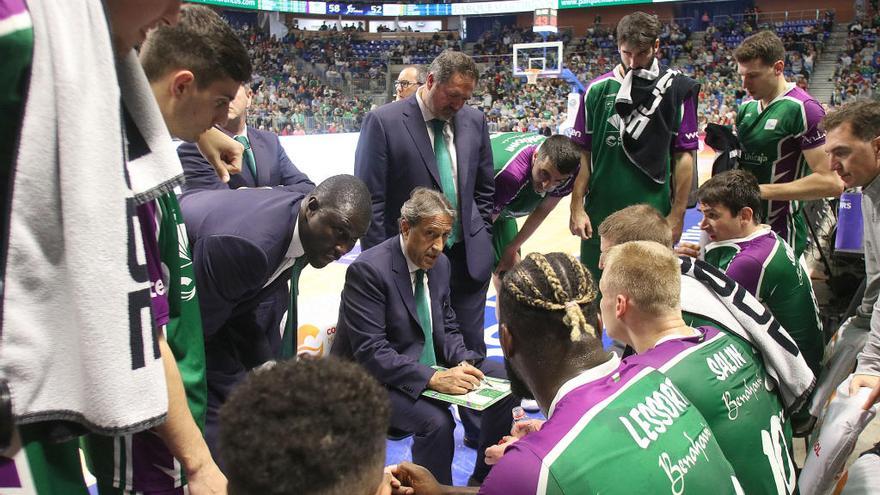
(248, 156)
(447, 183)
(290, 327)
(423, 310)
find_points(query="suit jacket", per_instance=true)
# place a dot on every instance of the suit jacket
(238, 239)
(274, 168)
(394, 155)
(378, 326)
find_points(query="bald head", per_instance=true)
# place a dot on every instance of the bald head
(408, 81)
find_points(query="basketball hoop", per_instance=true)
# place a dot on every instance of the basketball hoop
(532, 75)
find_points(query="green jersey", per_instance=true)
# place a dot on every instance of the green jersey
(725, 379)
(623, 430)
(766, 266)
(615, 182)
(773, 141)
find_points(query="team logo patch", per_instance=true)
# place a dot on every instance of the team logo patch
(771, 124)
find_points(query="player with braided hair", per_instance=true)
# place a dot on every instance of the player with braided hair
(598, 411)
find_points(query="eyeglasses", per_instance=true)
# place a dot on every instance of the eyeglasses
(404, 84)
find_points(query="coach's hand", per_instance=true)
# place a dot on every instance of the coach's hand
(457, 380)
(579, 223)
(688, 249)
(222, 152)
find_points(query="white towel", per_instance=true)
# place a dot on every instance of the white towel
(711, 294)
(76, 307)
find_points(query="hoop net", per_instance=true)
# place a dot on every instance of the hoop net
(532, 75)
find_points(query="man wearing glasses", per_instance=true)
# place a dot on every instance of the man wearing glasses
(408, 81)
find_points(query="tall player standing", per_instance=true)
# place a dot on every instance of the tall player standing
(781, 138)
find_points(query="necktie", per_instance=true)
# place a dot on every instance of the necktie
(447, 183)
(248, 156)
(290, 327)
(422, 309)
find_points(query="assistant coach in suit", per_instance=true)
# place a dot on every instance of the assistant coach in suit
(395, 319)
(264, 162)
(398, 150)
(245, 245)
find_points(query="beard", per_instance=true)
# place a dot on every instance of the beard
(517, 385)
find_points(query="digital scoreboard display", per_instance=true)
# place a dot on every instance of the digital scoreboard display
(353, 9)
(576, 4)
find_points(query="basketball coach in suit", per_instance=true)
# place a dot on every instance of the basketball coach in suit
(433, 139)
(395, 319)
(264, 162)
(245, 246)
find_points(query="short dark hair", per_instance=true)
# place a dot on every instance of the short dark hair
(346, 194)
(639, 29)
(863, 117)
(307, 426)
(562, 152)
(452, 62)
(549, 301)
(201, 42)
(735, 190)
(639, 222)
(763, 45)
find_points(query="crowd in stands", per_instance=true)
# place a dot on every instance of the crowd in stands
(857, 67)
(310, 83)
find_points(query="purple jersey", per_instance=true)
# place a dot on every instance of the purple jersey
(616, 429)
(149, 231)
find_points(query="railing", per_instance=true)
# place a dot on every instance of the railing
(774, 17)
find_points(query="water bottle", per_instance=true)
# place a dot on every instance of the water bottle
(519, 416)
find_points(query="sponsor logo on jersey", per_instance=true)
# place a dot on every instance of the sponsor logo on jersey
(816, 137)
(755, 157)
(677, 469)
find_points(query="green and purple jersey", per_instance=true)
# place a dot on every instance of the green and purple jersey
(615, 182)
(724, 377)
(773, 140)
(617, 428)
(767, 267)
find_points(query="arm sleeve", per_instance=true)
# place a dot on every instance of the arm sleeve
(506, 187)
(746, 270)
(687, 138)
(227, 268)
(197, 172)
(363, 302)
(869, 359)
(813, 135)
(517, 472)
(292, 179)
(581, 135)
(371, 166)
(484, 186)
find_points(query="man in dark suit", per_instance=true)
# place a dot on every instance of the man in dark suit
(396, 320)
(245, 245)
(398, 151)
(264, 164)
